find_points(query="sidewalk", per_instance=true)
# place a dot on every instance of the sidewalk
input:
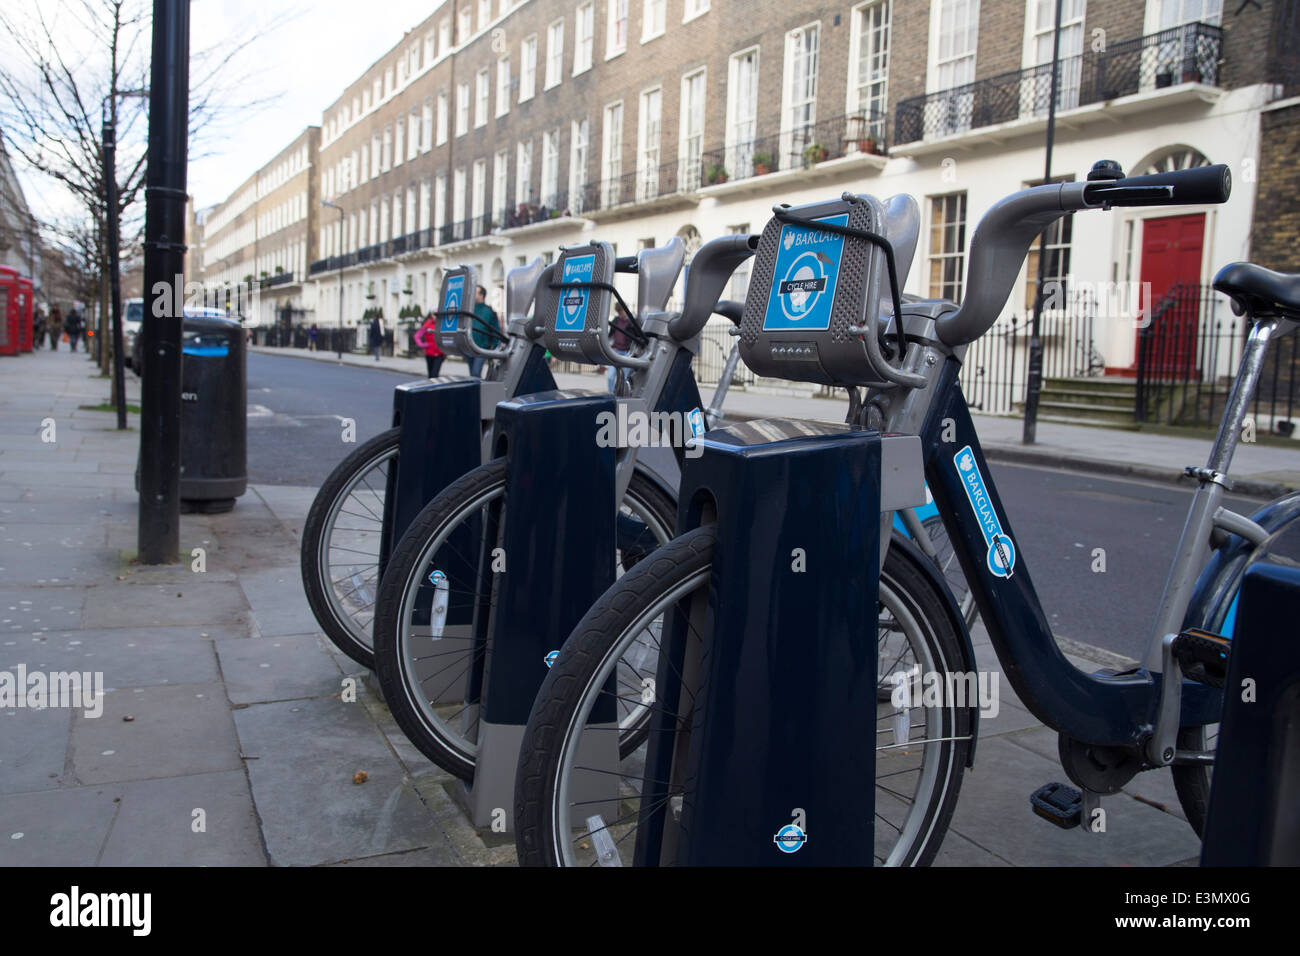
(1261, 470)
(227, 736)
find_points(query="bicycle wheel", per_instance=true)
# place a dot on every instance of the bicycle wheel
(428, 659)
(946, 557)
(917, 779)
(340, 545)
(1192, 781)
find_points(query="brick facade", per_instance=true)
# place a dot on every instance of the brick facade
(1275, 235)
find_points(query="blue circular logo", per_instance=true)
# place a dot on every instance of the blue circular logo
(790, 839)
(550, 658)
(1002, 555)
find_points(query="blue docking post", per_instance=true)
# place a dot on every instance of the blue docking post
(780, 765)
(552, 557)
(1254, 814)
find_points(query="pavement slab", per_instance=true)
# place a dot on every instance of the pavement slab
(58, 828)
(128, 657)
(174, 730)
(307, 755)
(278, 602)
(277, 668)
(155, 605)
(202, 819)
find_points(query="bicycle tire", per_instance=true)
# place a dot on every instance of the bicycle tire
(667, 578)
(1192, 781)
(436, 521)
(946, 559)
(350, 633)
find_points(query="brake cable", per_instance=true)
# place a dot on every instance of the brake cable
(633, 329)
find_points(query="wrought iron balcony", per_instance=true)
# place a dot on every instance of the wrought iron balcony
(641, 186)
(552, 205)
(1186, 54)
(797, 148)
(471, 228)
(332, 264)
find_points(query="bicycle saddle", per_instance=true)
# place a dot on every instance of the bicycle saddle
(1259, 291)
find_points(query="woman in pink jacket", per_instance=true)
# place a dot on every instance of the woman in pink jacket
(426, 338)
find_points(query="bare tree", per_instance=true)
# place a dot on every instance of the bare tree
(74, 65)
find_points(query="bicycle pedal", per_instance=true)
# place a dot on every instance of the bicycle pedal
(1056, 803)
(1203, 656)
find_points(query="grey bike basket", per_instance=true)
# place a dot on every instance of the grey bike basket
(853, 276)
(455, 298)
(580, 317)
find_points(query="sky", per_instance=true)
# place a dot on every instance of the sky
(313, 49)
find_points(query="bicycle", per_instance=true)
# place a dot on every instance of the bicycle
(1111, 726)
(345, 538)
(432, 692)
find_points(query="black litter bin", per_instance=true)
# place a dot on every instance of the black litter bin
(214, 415)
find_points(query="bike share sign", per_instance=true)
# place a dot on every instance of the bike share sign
(451, 304)
(803, 287)
(573, 302)
(1002, 552)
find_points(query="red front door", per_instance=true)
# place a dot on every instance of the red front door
(1171, 265)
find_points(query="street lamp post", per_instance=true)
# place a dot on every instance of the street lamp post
(1035, 383)
(338, 339)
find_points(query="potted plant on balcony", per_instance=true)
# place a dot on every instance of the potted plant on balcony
(714, 174)
(1165, 74)
(813, 154)
(762, 163)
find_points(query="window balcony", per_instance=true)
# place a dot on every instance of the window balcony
(835, 144)
(658, 187)
(1139, 73)
(332, 264)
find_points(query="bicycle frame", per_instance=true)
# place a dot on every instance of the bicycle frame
(1103, 709)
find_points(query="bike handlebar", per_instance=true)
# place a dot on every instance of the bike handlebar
(709, 274)
(1005, 233)
(1183, 187)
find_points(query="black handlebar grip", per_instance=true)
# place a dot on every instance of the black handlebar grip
(625, 264)
(730, 309)
(1192, 187)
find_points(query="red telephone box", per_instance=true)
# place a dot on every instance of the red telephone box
(8, 311)
(26, 308)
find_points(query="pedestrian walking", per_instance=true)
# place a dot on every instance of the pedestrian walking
(55, 328)
(426, 337)
(73, 325)
(485, 325)
(620, 339)
(38, 329)
(376, 336)
(312, 335)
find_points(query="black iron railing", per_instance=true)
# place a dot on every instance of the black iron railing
(797, 148)
(552, 205)
(332, 264)
(1187, 358)
(471, 228)
(639, 186)
(280, 278)
(996, 371)
(1185, 54)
